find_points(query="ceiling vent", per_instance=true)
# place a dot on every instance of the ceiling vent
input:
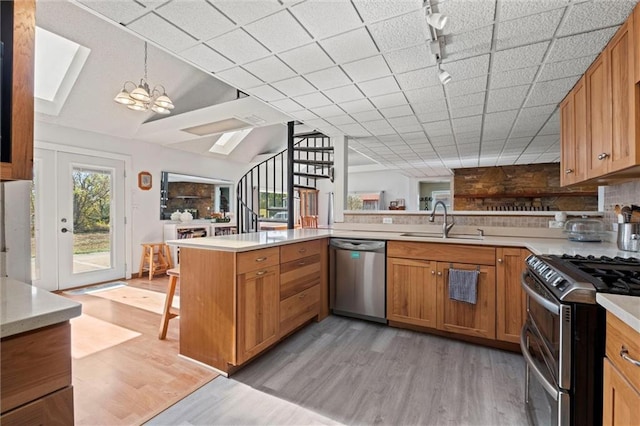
(222, 126)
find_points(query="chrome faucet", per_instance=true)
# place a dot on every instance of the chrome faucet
(446, 227)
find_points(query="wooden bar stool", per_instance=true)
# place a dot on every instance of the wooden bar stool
(156, 258)
(169, 311)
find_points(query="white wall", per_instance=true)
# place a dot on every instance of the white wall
(144, 211)
(392, 183)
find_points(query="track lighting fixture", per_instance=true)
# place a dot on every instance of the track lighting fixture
(444, 76)
(437, 20)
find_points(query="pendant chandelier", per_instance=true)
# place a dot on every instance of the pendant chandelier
(141, 98)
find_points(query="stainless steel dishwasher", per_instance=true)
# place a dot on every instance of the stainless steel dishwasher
(357, 278)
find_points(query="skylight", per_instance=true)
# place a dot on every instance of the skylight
(58, 62)
(228, 141)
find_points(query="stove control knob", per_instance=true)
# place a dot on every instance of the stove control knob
(558, 281)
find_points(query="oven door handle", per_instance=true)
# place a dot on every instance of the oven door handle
(546, 303)
(549, 387)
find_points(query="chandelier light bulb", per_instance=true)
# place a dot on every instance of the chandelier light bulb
(141, 93)
(163, 101)
(124, 98)
(138, 106)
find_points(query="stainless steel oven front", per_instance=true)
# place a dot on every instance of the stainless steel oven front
(546, 346)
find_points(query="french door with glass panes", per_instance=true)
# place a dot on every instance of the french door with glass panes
(78, 232)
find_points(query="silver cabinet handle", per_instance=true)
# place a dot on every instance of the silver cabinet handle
(260, 273)
(568, 171)
(261, 259)
(302, 263)
(603, 156)
(624, 353)
(302, 250)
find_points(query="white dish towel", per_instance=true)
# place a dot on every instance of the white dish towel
(463, 285)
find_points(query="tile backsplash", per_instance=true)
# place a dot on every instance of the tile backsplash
(623, 194)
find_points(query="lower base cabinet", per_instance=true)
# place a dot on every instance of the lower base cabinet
(511, 300)
(55, 409)
(621, 402)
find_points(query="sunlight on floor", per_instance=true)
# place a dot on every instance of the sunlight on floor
(90, 335)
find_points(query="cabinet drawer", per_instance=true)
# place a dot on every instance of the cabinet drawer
(257, 259)
(476, 255)
(54, 409)
(35, 364)
(299, 308)
(299, 250)
(299, 275)
(619, 336)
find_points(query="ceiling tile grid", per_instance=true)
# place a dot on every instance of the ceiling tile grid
(366, 68)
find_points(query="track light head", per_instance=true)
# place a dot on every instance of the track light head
(437, 20)
(444, 77)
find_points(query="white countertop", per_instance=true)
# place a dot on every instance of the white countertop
(26, 308)
(627, 308)
(257, 240)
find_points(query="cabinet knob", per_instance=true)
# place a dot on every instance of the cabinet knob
(439, 273)
(568, 171)
(499, 260)
(433, 272)
(603, 156)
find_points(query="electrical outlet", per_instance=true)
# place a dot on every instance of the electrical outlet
(387, 220)
(556, 224)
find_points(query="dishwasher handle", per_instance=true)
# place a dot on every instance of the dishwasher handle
(358, 245)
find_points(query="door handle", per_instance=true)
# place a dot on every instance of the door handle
(65, 230)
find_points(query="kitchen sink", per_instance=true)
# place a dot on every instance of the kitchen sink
(439, 235)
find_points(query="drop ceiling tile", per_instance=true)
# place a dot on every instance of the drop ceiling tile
(344, 94)
(269, 69)
(367, 116)
(380, 127)
(295, 86)
(340, 120)
(424, 77)
(528, 30)
(367, 69)
(542, 110)
(555, 70)
(397, 111)
(239, 78)
(430, 95)
(430, 116)
(410, 59)
(324, 19)
(156, 29)
(596, 14)
(372, 11)
(316, 124)
(206, 58)
(468, 100)
(517, 77)
(354, 130)
(120, 11)
(328, 78)
(401, 31)
(313, 100)
(350, 46)
(519, 57)
(304, 115)
(516, 9)
(580, 45)
(506, 99)
(199, 19)
(381, 86)
(279, 32)
(549, 92)
(466, 87)
(467, 68)
(473, 43)
(286, 105)
(466, 15)
(307, 58)
(390, 100)
(267, 93)
(238, 46)
(357, 106)
(467, 124)
(243, 12)
(409, 128)
(403, 121)
(417, 136)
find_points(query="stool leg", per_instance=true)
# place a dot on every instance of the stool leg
(142, 259)
(152, 263)
(167, 251)
(166, 314)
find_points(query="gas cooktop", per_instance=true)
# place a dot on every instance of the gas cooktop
(577, 278)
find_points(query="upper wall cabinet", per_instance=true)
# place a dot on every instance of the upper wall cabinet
(600, 116)
(18, 37)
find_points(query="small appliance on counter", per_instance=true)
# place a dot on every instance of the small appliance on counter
(629, 236)
(584, 230)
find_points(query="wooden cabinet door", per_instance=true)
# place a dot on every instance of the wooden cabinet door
(511, 302)
(620, 400)
(580, 125)
(411, 291)
(598, 117)
(477, 319)
(258, 311)
(620, 56)
(636, 41)
(567, 142)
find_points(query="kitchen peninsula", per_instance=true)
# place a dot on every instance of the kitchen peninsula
(241, 294)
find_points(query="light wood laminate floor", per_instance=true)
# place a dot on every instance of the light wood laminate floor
(359, 373)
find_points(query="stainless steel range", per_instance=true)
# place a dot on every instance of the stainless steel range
(563, 338)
